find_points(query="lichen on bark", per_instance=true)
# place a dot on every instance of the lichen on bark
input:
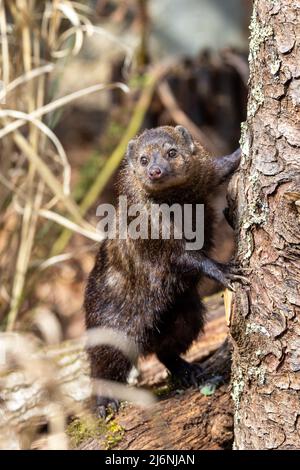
(266, 315)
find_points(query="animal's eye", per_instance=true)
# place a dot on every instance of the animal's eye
(172, 153)
(144, 161)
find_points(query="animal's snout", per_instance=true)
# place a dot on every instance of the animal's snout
(155, 172)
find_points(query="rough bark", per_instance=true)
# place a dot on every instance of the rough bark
(265, 197)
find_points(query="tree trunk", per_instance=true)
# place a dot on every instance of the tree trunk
(265, 196)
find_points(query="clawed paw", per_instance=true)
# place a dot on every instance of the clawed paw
(234, 273)
(234, 268)
(105, 406)
(189, 375)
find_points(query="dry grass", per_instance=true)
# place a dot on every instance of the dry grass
(36, 38)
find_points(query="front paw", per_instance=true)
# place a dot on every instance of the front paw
(188, 375)
(234, 273)
(105, 406)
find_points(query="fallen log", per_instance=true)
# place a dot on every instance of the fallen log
(183, 420)
(39, 384)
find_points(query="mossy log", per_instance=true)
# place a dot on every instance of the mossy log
(59, 375)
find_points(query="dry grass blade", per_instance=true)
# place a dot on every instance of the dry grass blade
(50, 107)
(26, 77)
(51, 136)
(70, 13)
(112, 337)
(90, 29)
(31, 24)
(49, 178)
(4, 45)
(27, 237)
(35, 181)
(64, 222)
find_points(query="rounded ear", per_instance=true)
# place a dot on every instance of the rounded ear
(187, 137)
(130, 151)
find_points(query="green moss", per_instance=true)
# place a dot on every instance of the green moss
(260, 31)
(81, 429)
(256, 215)
(208, 389)
(245, 250)
(114, 434)
(108, 431)
(163, 390)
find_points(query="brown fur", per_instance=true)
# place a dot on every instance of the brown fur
(138, 286)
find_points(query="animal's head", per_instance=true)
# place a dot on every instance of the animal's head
(161, 158)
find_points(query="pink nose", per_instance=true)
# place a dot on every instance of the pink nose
(154, 172)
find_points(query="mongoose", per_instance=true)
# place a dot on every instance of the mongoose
(147, 288)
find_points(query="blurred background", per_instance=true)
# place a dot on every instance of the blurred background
(61, 141)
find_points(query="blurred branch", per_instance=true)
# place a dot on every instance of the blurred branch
(144, 26)
(179, 116)
(238, 63)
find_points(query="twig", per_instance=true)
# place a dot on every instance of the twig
(238, 63)
(179, 116)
